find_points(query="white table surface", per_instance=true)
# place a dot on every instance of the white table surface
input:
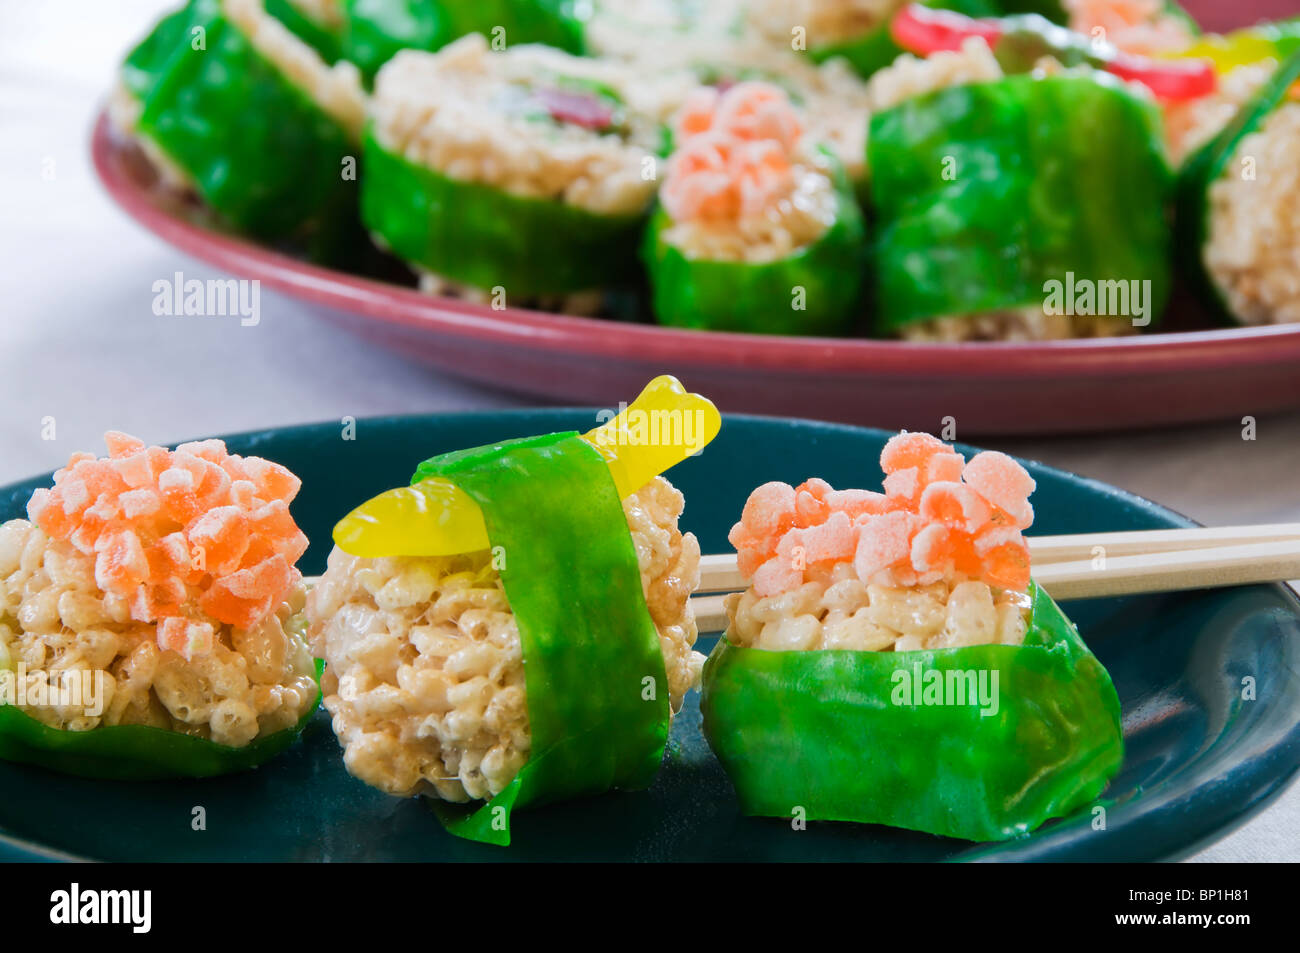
(79, 341)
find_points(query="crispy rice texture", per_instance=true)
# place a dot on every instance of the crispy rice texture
(55, 619)
(1253, 252)
(425, 678)
(453, 111)
(839, 611)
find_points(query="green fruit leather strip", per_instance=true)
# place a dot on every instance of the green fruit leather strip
(760, 298)
(135, 752)
(597, 691)
(325, 41)
(1205, 167)
(485, 237)
(260, 151)
(377, 29)
(838, 734)
(983, 193)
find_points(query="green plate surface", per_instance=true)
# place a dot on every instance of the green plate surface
(1199, 758)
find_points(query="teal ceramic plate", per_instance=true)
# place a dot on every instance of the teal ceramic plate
(1200, 758)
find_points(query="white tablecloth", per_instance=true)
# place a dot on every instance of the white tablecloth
(79, 341)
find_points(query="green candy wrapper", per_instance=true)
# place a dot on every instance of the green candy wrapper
(597, 691)
(260, 152)
(984, 193)
(135, 752)
(484, 237)
(1205, 166)
(847, 736)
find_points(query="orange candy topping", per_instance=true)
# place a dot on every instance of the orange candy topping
(179, 534)
(940, 518)
(734, 154)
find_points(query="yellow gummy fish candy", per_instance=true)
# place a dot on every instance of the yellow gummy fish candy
(434, 517)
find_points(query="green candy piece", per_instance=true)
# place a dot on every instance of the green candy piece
(327, 42)
(261, 153)
(1053, 10)
(876, 49)
(597, 690)
(1205, 167)
(375, 30)
(840, 735)
(985, 193)
(759, 298)
(485, 237)
(1285, 35)
(135, 752)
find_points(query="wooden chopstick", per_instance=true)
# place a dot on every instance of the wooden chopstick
(710, 614)
(1171, 571)
(1053, 549)
(1093, 565)
(1160, 571)
(718, 573)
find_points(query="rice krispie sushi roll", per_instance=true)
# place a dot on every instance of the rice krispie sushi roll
(151, 616)
(757, 229)
(893, 663)
(1239, 207)
(376, 30)
(514, 627)
(233, 106)
(526, 173)
(973, 242)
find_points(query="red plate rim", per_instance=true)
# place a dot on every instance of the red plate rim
(408, 308)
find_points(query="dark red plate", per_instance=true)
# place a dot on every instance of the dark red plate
(989, 388)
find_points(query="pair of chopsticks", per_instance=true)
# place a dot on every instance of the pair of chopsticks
(1092, 565)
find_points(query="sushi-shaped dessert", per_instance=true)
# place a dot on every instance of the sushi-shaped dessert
(376, 30)
(757, 228)
(511, 177)
(710, 45)
(514, 627)
(893, 663)
(980, 231)
(856, 31)
(151, 619)
(231, 105)
(1239, 207)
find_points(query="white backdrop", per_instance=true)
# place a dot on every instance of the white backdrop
(79, 341)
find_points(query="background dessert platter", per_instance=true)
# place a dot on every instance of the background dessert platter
(1183, 368)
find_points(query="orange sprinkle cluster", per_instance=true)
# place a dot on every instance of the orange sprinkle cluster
(181, 535)
(939, 518)
(734, 154)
